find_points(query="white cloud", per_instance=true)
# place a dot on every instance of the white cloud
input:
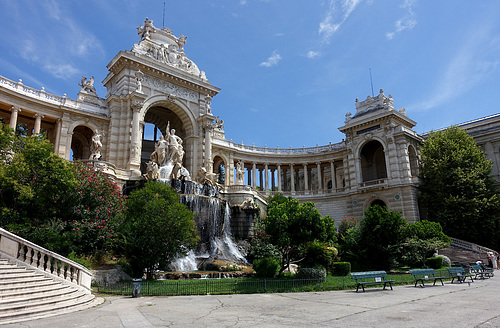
(243, 2)
(337, 13)
(473, 62)
(63, 71)
(407, 22)
(272, 60)
(313, 54)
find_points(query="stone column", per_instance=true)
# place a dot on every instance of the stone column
(208, 148)
(249, 176)
(306, 179)
(273, 180)
(266, 178)
(38, 123)
(13, 117)
(135, 144)
(254, 174)
(57, 141)
(333, 174)
(292, 179)
(279, 177)
(320, 185)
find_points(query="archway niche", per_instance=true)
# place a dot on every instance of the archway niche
(80, 142)
(156, 121)
(373, 165)
(379, 202)
(412, 154)
(220, 169)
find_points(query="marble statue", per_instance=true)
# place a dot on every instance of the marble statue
(152, 171)
(87, 85)
(240, 174)
(168, 156)
(96, 146)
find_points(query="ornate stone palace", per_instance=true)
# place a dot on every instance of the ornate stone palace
(156, 84)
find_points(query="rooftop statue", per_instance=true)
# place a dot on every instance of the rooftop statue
(164, 46)
(87, 85)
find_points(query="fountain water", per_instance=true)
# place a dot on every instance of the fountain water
(212, 217)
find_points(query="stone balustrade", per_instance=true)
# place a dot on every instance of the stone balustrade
(18, 249)
(50, 98)
(283, 151)
(470, 246)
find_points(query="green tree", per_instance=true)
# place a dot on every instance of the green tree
(54, 203)
(157, 228)
(420, 240)
(369, 245)
(457, 189)
(290, 225)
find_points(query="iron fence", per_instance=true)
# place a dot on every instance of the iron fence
(242, 285)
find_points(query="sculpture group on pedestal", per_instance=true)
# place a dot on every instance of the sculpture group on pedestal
(168, 154)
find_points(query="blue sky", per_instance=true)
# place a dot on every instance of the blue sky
(289, 70)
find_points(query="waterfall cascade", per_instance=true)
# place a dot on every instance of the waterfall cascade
(212, 220)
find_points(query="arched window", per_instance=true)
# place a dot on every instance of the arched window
(378, 202)
(412, 154)
(373, 161)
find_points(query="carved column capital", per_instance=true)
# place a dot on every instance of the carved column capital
(15, 109)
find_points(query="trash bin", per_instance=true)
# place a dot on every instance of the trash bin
(136, 287)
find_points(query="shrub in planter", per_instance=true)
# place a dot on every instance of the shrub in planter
(311, 273)
(341, 268)
(435, 262)
(267, 267)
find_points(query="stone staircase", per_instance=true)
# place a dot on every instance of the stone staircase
(463, 256)
(27, 294)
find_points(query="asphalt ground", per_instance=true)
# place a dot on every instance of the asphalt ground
(453, 305)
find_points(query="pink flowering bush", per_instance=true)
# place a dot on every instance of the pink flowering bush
(97, 212)
(347, 223)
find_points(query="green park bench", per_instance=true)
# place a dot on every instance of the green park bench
(370, 278)
(459, 274)
(480, 271)
(426, 275)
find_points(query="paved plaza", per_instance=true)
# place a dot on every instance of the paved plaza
(451, 305)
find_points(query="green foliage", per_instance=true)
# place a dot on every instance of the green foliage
(157, 228)
(58, 205)
(318, 254)
(434, 262)
(347, 223)
(290, 225)
(267, 267)
(311, 273)
(420, 240)
(341, 268)
(457, 189)
(80, 260)
(6, 140)
(379, 230)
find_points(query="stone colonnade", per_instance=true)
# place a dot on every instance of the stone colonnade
(300, 179)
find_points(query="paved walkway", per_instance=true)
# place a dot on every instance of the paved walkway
(451, 305)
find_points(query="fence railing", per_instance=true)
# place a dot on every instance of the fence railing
(16, 248)
(242, 286)
(471, 246)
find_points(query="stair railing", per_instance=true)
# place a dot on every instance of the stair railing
(16, 248)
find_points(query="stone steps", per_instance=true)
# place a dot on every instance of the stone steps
(27, 294)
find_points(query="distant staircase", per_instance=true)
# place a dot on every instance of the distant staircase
(26, 294)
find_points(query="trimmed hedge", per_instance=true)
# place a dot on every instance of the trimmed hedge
(311, 273)
(266, 268)
(341, 268)
(435, 262)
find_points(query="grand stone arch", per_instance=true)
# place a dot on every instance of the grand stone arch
(372, 160)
